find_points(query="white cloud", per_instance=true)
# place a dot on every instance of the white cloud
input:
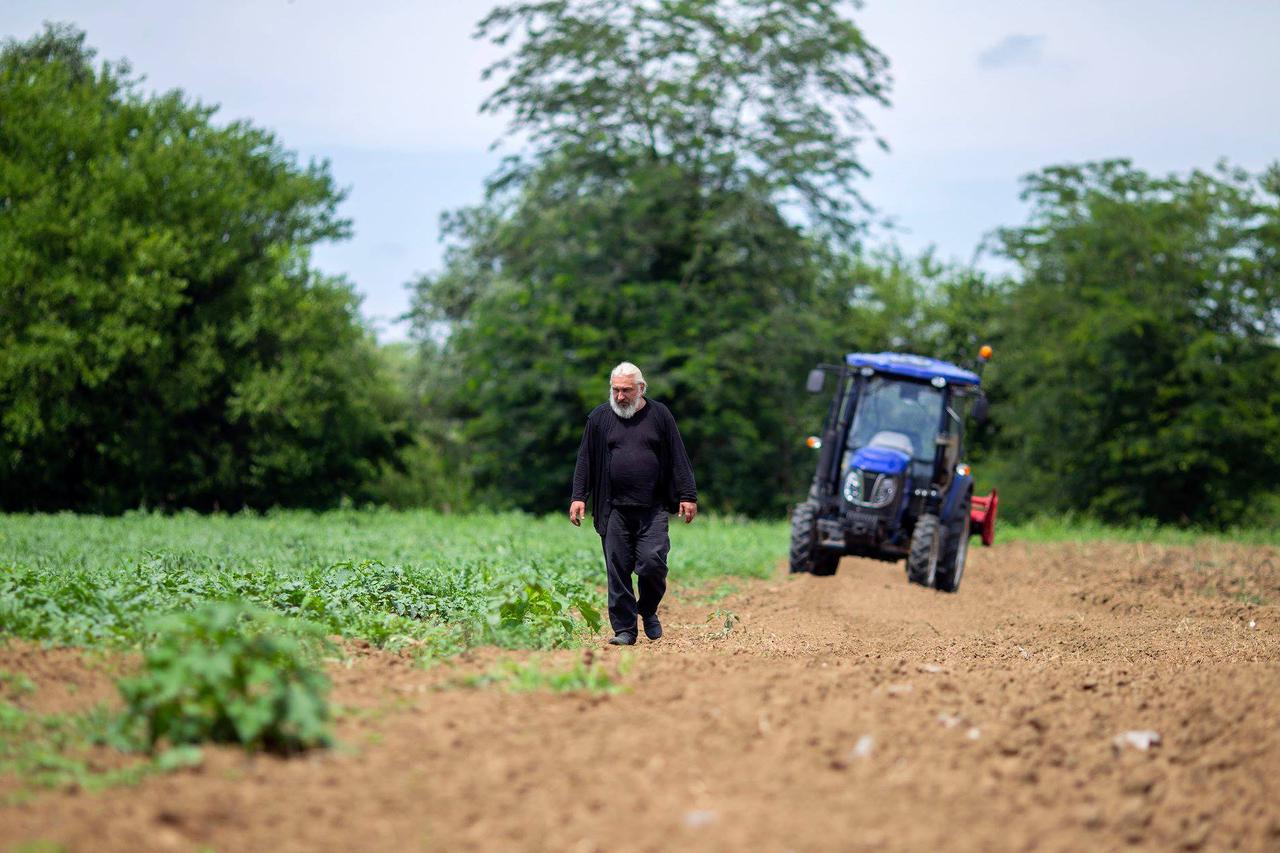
(1173, 82)
(1013, 50)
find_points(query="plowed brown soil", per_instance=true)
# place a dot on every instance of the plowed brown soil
(845, 713)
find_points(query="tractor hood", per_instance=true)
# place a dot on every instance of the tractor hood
(880, 460)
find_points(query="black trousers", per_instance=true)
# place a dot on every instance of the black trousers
(635, 541)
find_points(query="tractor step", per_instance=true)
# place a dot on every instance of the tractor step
(830, 533)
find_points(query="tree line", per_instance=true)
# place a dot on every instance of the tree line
(686, 199)
(164, 340)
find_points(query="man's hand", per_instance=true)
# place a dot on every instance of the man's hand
(688, 509)
(577, 510)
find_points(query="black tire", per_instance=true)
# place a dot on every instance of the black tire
(806, 554)
(926, 548)
(955, 549)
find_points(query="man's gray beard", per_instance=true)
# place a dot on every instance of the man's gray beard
(624, 412)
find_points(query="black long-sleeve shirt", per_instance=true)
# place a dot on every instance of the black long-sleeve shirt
(634, 443)
(591, 475)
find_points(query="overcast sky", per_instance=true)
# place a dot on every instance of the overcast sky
(984, 92)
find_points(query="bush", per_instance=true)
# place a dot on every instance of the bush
(163, 257)
(231, 673)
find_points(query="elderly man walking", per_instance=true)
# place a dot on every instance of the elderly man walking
(633, 465)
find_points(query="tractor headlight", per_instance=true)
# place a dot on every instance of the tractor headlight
(885, 491)
(853, 486)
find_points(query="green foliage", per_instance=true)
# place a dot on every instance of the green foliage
(429, 470)
(228, 673)
(163, 339)
(57, 750)
(587, 675)
(1140, 373)
(432, 583)
(765, 94)
(716, 593)
(16, 684)
(543, 613)
(923, 305)
(39, 845)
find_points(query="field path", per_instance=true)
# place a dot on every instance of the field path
(845, 713)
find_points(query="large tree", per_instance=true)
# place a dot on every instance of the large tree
(648, 219)
(163, 339)
(766, 94)
(1140, 375)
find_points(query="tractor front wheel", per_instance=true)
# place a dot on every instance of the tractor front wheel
(806, 554)
(926, 546)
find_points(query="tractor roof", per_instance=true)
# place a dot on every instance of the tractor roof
(912, 366)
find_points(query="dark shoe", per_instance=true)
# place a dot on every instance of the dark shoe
(623, 638)
(652, 627)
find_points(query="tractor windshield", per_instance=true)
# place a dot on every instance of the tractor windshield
(898, 414)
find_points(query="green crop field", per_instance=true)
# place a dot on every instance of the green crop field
(439, 583)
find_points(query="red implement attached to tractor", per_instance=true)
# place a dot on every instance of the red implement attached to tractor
(982, 516)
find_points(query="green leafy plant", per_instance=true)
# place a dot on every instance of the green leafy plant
(543, 612)
(231, 673)
(16, 684)
(726, 618)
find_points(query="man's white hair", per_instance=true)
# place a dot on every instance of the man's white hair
(626, 368)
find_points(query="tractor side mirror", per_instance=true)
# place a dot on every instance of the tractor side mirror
(817, 379)
(980, 409)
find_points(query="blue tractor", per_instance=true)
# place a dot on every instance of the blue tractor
(891, 483)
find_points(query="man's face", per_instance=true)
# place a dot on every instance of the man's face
(625, 390)
(624, 395)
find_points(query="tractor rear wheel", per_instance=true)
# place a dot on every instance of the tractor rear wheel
(926, 546)
(955, 549)
(806, 554)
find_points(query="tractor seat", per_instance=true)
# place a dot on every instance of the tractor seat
(893, 441)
